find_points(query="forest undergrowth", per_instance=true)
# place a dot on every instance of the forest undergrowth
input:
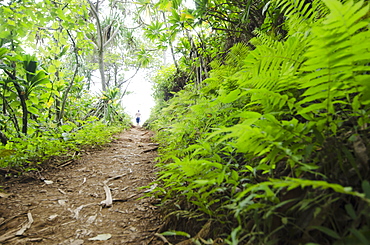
(273, 147)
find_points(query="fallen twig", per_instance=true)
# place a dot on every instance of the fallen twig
(163, 238)
(26, 226)
(83, 182)
(108, 196)
(7, 236)
(158, 229)
(153, 149)
(11, 218)
(13, 233)
(115, 177)
(65, 164)
(35, 239)
(119, 211)
(108, 202)
(67, 223)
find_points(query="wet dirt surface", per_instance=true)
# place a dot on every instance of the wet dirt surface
(68, 205)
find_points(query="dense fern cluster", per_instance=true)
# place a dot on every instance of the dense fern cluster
(273, 149)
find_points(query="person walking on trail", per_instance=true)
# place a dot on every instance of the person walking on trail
(137, 115)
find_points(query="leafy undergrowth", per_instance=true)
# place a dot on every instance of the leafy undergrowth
(274, 147)
(27, 153)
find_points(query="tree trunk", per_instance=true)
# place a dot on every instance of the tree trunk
(22, 98)
(66, 92)
(100, 43)
(101, 69)
(170, 43)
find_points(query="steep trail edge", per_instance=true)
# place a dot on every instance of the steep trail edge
(67, 204)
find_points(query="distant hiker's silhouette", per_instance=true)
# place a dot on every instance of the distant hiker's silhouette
(137, 115)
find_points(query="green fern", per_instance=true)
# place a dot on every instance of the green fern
(336, 63)
(237, 54)
(292, 183)
(273, 67)
(309, 10)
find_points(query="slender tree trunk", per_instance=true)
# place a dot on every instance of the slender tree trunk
(101, 69)
(99, 44)
(22, 98)
(3, 97)
(65, 94)
(170, 43)
(115, 68)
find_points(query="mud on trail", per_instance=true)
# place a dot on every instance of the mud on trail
(71, 204)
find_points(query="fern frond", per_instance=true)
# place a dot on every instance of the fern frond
(303, 9)
(337, 60)
(237, 53)
(270, 101)
(292, 183)
(274, 67)
(263, 39)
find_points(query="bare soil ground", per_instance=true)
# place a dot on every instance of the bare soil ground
(68, 204)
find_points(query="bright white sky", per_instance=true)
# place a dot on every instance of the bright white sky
(140, 97)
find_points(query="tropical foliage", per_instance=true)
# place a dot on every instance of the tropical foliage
(272, 148)
(46, 108)
(262, 118)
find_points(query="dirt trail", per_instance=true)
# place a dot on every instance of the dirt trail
(66, 205)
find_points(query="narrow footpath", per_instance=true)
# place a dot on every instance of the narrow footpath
(91, 200)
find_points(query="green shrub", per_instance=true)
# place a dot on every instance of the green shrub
(33, 150)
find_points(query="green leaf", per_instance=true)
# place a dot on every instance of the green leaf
(284, 220)
(249, 168)
(359, 236)
(39, 76)
(232, 96)
(34, 100)
(30, 66)
(3, 51)
(66, 127)
(205, 182)
(249, 114)
(11, 22)
(350, 211)
(234, 175)
(175, 233)
(33, 110)
(327, 231)
(4, 34)
(52, 69)
(366, 188)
